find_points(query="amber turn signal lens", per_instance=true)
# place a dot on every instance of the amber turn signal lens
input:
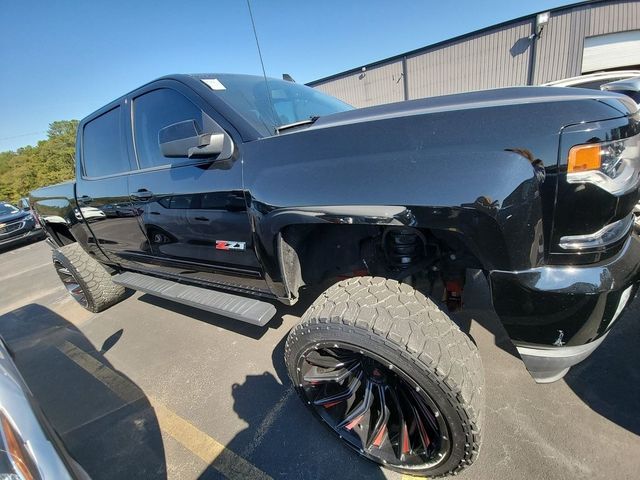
(584, 157)
(15, 448)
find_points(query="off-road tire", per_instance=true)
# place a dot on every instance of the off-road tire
(97, 286)
(402, 326)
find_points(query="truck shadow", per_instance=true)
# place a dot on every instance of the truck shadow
(282, 438)
(104, 419)
(609, 380)
(478, 308)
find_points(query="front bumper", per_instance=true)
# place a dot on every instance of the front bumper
(557, 315)
(23, 235)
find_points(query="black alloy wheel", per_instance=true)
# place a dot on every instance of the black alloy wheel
(372, 405)
(71, 284)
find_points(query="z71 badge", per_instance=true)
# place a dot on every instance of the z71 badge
(229, 245)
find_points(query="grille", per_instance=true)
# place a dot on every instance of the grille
(12, 227)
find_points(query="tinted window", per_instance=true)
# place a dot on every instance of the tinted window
(103, 151)
(177, 202)
(595, 84)
(152, 112)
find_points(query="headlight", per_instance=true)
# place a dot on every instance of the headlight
(16, 462)
(613, 166)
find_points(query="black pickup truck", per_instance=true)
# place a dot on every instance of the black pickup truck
(227, 192)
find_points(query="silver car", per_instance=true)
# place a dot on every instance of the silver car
(29, 448)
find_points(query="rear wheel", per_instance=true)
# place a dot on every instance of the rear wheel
(387, 371)
(85, 279)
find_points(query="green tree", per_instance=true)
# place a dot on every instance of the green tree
(50, 161)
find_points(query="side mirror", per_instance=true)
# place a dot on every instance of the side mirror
(182, 140)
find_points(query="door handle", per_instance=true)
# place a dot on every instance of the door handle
(202, 219)
(85, 199)
(142, 195)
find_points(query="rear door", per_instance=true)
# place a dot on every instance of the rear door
(193, 211)
(102, 186)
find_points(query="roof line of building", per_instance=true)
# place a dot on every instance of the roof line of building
(400, 56)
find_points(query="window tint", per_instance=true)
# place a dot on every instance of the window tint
(152, 112)
(214, 200)
(103, 150)
(177, 202)
(595, 84)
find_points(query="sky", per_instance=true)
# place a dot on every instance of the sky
(63, 59)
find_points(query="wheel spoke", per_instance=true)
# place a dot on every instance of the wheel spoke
(343, 395)
(330, 360)
(317, 375)
(402, 446)
(359, 410)
(71, 284)
(426, 413)
(417, 425)
(376, 436)
(65, 271)
(77, 290)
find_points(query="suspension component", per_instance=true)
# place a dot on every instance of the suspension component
(403, 247)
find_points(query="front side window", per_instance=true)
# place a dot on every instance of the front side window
(103, 151)
(154, 111)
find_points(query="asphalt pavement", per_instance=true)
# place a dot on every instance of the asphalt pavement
(152, 389)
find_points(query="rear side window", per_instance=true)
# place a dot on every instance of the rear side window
(152, 112)
(103, 150)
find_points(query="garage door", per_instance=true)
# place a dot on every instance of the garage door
(611, 51)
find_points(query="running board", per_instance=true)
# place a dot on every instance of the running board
(244, 309)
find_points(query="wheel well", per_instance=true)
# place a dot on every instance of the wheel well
(60, 234)
(311, 254)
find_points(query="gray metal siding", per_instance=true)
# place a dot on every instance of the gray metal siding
(375, 86)
(559, 50)
(498, 57)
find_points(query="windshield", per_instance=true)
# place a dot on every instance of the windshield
(6, 209)
(284, 103)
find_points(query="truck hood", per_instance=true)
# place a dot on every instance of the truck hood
(10, 217)
(619, 104)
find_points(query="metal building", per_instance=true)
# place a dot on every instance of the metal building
(564, 42)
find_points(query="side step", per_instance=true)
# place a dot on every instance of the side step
(244, 309)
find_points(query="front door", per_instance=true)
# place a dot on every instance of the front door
(193, 211)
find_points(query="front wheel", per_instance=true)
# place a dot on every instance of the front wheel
(388, 372)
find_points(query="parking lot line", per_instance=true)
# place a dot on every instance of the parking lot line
(199, 443)
(202, 445)
(22, 272)
(31, 298)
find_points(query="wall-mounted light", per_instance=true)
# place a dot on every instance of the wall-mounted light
(541, 21)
